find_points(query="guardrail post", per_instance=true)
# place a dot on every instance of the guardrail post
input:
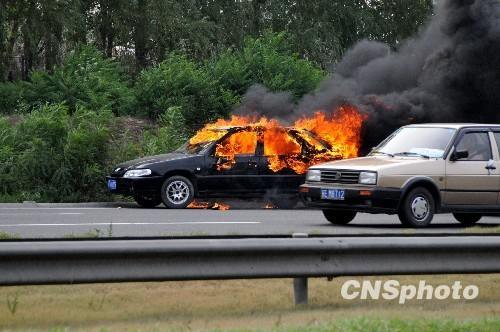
(300, 291)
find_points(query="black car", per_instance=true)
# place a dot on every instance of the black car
(245, 161)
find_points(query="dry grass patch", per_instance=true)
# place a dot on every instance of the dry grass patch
(206, 305)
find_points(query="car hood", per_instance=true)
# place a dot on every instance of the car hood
(373, 163)
(149, 160)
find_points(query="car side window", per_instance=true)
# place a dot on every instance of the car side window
(240, 143)
(478, 146)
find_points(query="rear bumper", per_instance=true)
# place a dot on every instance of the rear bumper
(373, 200)
(150, 185)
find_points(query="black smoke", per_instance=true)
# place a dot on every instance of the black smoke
(448, 72)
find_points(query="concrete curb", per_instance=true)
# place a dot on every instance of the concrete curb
(234, 204)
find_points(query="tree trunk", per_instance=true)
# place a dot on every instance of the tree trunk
(141, 35)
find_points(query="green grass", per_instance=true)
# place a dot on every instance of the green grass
(482, 230)
(369, 324)
(8, 236)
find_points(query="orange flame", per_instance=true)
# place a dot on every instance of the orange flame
(220, 206)
(207, 205)
(309, 141)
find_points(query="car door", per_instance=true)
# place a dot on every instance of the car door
(277, 146)
(232, 166)
(474, 179)
(496, 151)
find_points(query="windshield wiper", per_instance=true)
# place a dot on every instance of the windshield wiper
(412, 154)
(381, 152)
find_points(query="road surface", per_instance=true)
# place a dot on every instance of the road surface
(58, 221)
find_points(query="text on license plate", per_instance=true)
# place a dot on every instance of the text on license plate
(334, 194)
(112, 184)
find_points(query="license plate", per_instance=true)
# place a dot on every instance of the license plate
(112, 184)
(333, 194)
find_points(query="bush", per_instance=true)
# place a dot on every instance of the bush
(86, 79)
(54, 156)
(179, 82)
(269, 61)
(10, 97)
(169, 136)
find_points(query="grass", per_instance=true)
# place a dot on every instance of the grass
(8, 236)
(482, 230)
(243, 305)
(369, 324)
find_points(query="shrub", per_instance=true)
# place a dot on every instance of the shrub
(179, 82)
(169, 136)
(52, 155)
(85, 79)
(10, 97)
(269, 61)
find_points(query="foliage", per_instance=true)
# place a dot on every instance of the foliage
(179, 82)
(52, 155)
(205, 92)
(85, 79)
(42, 32)
(169, 136)
(10, 97)
(267, 60)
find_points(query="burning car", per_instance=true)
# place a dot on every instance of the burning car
(240, 157)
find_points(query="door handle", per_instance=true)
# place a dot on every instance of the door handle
(490, 166)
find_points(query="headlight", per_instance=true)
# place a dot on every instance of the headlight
(313, 175)
(134, 173)
(368, 178)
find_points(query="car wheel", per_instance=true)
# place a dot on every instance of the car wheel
(467, 219)
(285, 202)
(417, 208)
(338, 217)
(177, 192)
(147, 202)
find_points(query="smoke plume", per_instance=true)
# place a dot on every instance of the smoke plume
(448, 72)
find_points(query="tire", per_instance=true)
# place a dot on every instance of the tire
(285, 202)
(467, 219)
(177, 192)
(417, 208)
(338, 217)
(147, 202)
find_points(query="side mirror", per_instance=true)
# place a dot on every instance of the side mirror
(459, 154)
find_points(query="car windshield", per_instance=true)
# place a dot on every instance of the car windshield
(188, 148)
(426, 142)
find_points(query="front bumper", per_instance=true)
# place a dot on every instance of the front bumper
(149, 185)
(361, 199)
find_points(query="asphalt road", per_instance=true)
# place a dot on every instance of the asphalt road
(51, 221)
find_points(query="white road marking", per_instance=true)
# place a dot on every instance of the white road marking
(37, 214)
(61, 208)
(134, 223)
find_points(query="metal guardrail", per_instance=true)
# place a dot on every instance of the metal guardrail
(92, 261)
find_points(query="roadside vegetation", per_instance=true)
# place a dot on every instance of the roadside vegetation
(87, 84)
(243, 305)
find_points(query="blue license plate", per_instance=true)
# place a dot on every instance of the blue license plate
(333, 194)
(112, 184)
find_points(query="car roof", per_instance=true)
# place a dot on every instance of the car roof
(454, 125)
(249, 126)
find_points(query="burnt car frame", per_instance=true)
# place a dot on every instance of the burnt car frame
(196, 171)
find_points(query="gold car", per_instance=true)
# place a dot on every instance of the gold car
(416, 172)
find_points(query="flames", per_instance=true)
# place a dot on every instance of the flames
(310, 140)
(208, 205)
